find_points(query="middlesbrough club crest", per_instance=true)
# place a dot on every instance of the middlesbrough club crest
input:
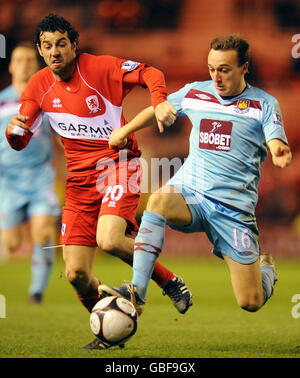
(93, 103)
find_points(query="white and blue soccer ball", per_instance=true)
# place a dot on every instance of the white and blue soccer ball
(114, 320)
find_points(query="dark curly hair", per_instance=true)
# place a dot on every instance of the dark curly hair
(52, 23)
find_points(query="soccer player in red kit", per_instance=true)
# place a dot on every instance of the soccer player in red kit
(82, 95)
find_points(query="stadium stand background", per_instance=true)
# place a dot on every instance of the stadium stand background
(174, 36)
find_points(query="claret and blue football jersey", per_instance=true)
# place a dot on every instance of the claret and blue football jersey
(228, 141)
(26, 177)
(38, 152)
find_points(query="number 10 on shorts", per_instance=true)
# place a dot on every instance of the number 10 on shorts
(243, 237)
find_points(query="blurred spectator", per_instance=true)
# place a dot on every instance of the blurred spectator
(120, 15)
(162, 13)
(287, 13)
(129, 15)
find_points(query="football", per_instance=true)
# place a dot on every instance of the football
(114, 320)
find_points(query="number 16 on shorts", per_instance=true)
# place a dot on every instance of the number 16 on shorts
(243, 237)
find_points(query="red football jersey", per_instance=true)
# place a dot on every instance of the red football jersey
(85, 109)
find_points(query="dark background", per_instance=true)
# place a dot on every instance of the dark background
(174, 36)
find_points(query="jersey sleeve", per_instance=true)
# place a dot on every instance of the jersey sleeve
(154, 79)
(135, 73)
(124, 75)
(176, 99)
(272, 122)
(28, 107)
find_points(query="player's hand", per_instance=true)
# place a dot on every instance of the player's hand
(281, 155)
(165, 115)
(117, 138)
(17, 125)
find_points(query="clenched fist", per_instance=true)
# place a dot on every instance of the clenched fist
(165, 115)
(17, 125)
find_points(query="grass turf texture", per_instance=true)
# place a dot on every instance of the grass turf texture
(213, 327)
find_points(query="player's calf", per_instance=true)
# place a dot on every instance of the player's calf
(252, 299)
(85, 288)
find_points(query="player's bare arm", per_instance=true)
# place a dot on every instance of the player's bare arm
(118, 138)
(165, 115)
(16, 123)
(281, 153)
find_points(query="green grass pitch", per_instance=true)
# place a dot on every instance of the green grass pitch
(213, 327)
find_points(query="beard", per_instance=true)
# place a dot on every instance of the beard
(65, 71)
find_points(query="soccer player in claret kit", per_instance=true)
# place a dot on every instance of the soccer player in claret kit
(82, 95)
(215, 191)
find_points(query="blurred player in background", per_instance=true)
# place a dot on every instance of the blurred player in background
(27, 179)
(82, 95)
(215, 191)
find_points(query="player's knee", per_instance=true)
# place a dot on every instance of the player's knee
(251, 302)
(43, 235)
(110, 243)
(43, 232)
(41, 239)
(11, 244)
(77, 277)
(158, 203)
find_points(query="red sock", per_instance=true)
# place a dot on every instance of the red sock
(90, 299)
(161, 275)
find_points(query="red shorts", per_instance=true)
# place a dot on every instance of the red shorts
(114, 190)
